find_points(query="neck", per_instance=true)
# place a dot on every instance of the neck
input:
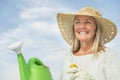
(85, 48)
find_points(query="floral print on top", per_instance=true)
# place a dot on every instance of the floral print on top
(79, 73)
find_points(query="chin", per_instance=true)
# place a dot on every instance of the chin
(83, 40)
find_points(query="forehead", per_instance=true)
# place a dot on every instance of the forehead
(79, 17)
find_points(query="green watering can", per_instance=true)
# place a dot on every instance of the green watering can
(34, 70)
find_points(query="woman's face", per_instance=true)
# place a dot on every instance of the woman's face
(84, 28)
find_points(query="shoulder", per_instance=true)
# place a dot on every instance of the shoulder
(68, 53)
(111, 56)
(109, 52)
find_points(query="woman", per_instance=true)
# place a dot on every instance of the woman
(87, 32)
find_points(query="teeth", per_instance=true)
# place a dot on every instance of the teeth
(83, 32)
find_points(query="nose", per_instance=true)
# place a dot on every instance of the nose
(82, 26)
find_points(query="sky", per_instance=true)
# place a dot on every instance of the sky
(34, 22)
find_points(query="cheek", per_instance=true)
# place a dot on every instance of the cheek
(93, 31)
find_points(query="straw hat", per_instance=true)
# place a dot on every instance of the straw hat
(65, 23)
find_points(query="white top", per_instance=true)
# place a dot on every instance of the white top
(105, 67)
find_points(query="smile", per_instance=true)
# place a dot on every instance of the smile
(83, 33)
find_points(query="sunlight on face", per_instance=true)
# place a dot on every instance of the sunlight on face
(84, 28)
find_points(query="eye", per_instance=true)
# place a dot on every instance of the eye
(77, 22)
(88, 22)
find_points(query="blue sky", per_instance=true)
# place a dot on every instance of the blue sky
(34, 22)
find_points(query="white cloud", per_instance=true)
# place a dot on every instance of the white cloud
(9, 71)
(39, 26)
(37, 12)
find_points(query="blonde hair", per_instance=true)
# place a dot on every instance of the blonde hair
(98, 40)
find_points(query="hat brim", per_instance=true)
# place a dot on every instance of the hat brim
(65, 23)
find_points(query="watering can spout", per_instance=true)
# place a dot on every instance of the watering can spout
(24, 71)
